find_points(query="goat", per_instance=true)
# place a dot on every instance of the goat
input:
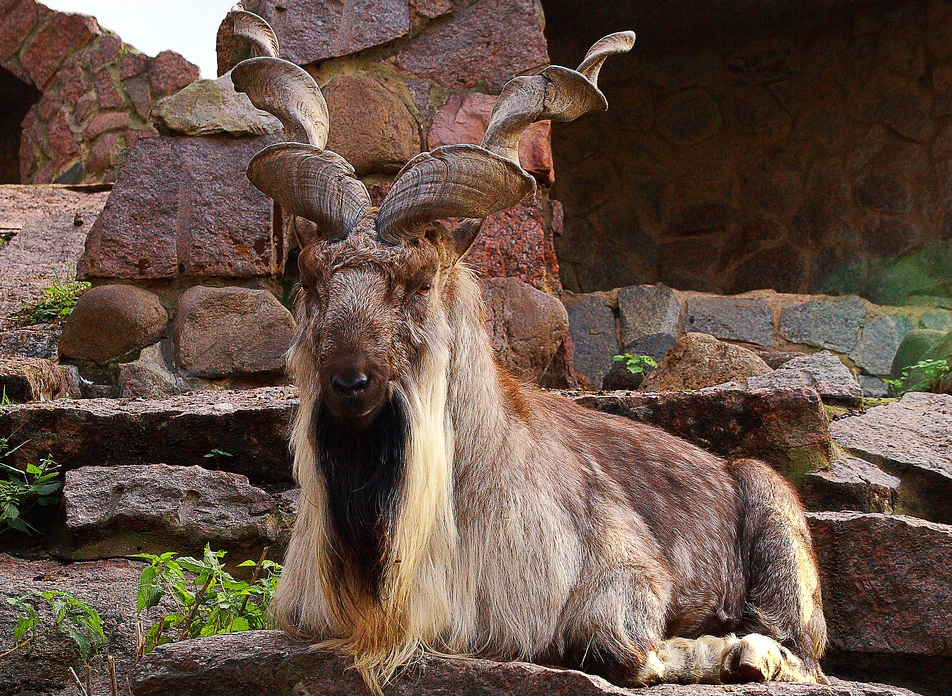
(447, 507)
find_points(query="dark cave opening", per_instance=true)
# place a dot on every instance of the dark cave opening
(16, 99)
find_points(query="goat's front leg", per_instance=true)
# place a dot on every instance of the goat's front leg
(716, 660)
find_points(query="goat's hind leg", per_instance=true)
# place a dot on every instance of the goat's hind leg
(784, 611)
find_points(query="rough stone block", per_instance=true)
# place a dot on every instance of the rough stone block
(110, 321)
(527, 326)
(898, 102)
(118, 511)
(593, 331)
(314, 30)
(221, 332)
(107, 93)
(60, 36)
(19, 17)
(873, 386)
(149, 377)
(878, 343)
(887, 585)
(849, 484)
(730, 318)
(478, 43)
(169, 72)
(210, 107)
(649, 317)
(786, 428)
(514, 243)
(106, 121)
(183, 208)
(30, 379)
(909, 439)
(822, 371)
(698, 360)
(31, 342)
(832, 324)
(370, 127)
(937, 321)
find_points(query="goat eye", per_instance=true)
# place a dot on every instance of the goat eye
(424, 289)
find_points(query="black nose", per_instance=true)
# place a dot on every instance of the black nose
(349, 385)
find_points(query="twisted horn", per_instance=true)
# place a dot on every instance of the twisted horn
(252, 27)
(312, 183)
(451, 181)
(556, 94)
(473, 181)
(289, 93)
(303, 178)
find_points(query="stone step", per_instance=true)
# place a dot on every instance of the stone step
(251, 425)
(910, 439)
(786, 427)
(31, 379)
(267, 663)
(850, 484)
(887, 591)
(110, 587)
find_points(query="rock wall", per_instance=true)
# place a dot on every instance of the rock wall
(96, 92)
(811, 153)
(648, 319)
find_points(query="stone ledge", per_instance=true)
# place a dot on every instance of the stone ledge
(785, 427)
(250, 424)
(267, 663)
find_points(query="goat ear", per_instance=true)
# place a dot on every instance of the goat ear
(289, 93)
(312, 183)
(453, 181)
(454, 237)
(250, 26)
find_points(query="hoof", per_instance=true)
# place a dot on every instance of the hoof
(754, 658)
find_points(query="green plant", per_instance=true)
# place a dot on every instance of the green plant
(208, 599)
(59, 611)
(215, 452)
(5, 399)
(57, 302)
(21, 491)
(636, 364)
(926, 374)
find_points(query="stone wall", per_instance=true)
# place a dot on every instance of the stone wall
(648, 319)
(96, 92)
(184, 222)
(810, 153)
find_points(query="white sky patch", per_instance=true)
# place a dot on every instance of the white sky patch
(184, 26)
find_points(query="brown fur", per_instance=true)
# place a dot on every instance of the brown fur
(527, 527)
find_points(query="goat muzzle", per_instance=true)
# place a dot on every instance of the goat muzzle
(354, 388)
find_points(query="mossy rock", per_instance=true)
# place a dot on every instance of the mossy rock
(915, 347)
